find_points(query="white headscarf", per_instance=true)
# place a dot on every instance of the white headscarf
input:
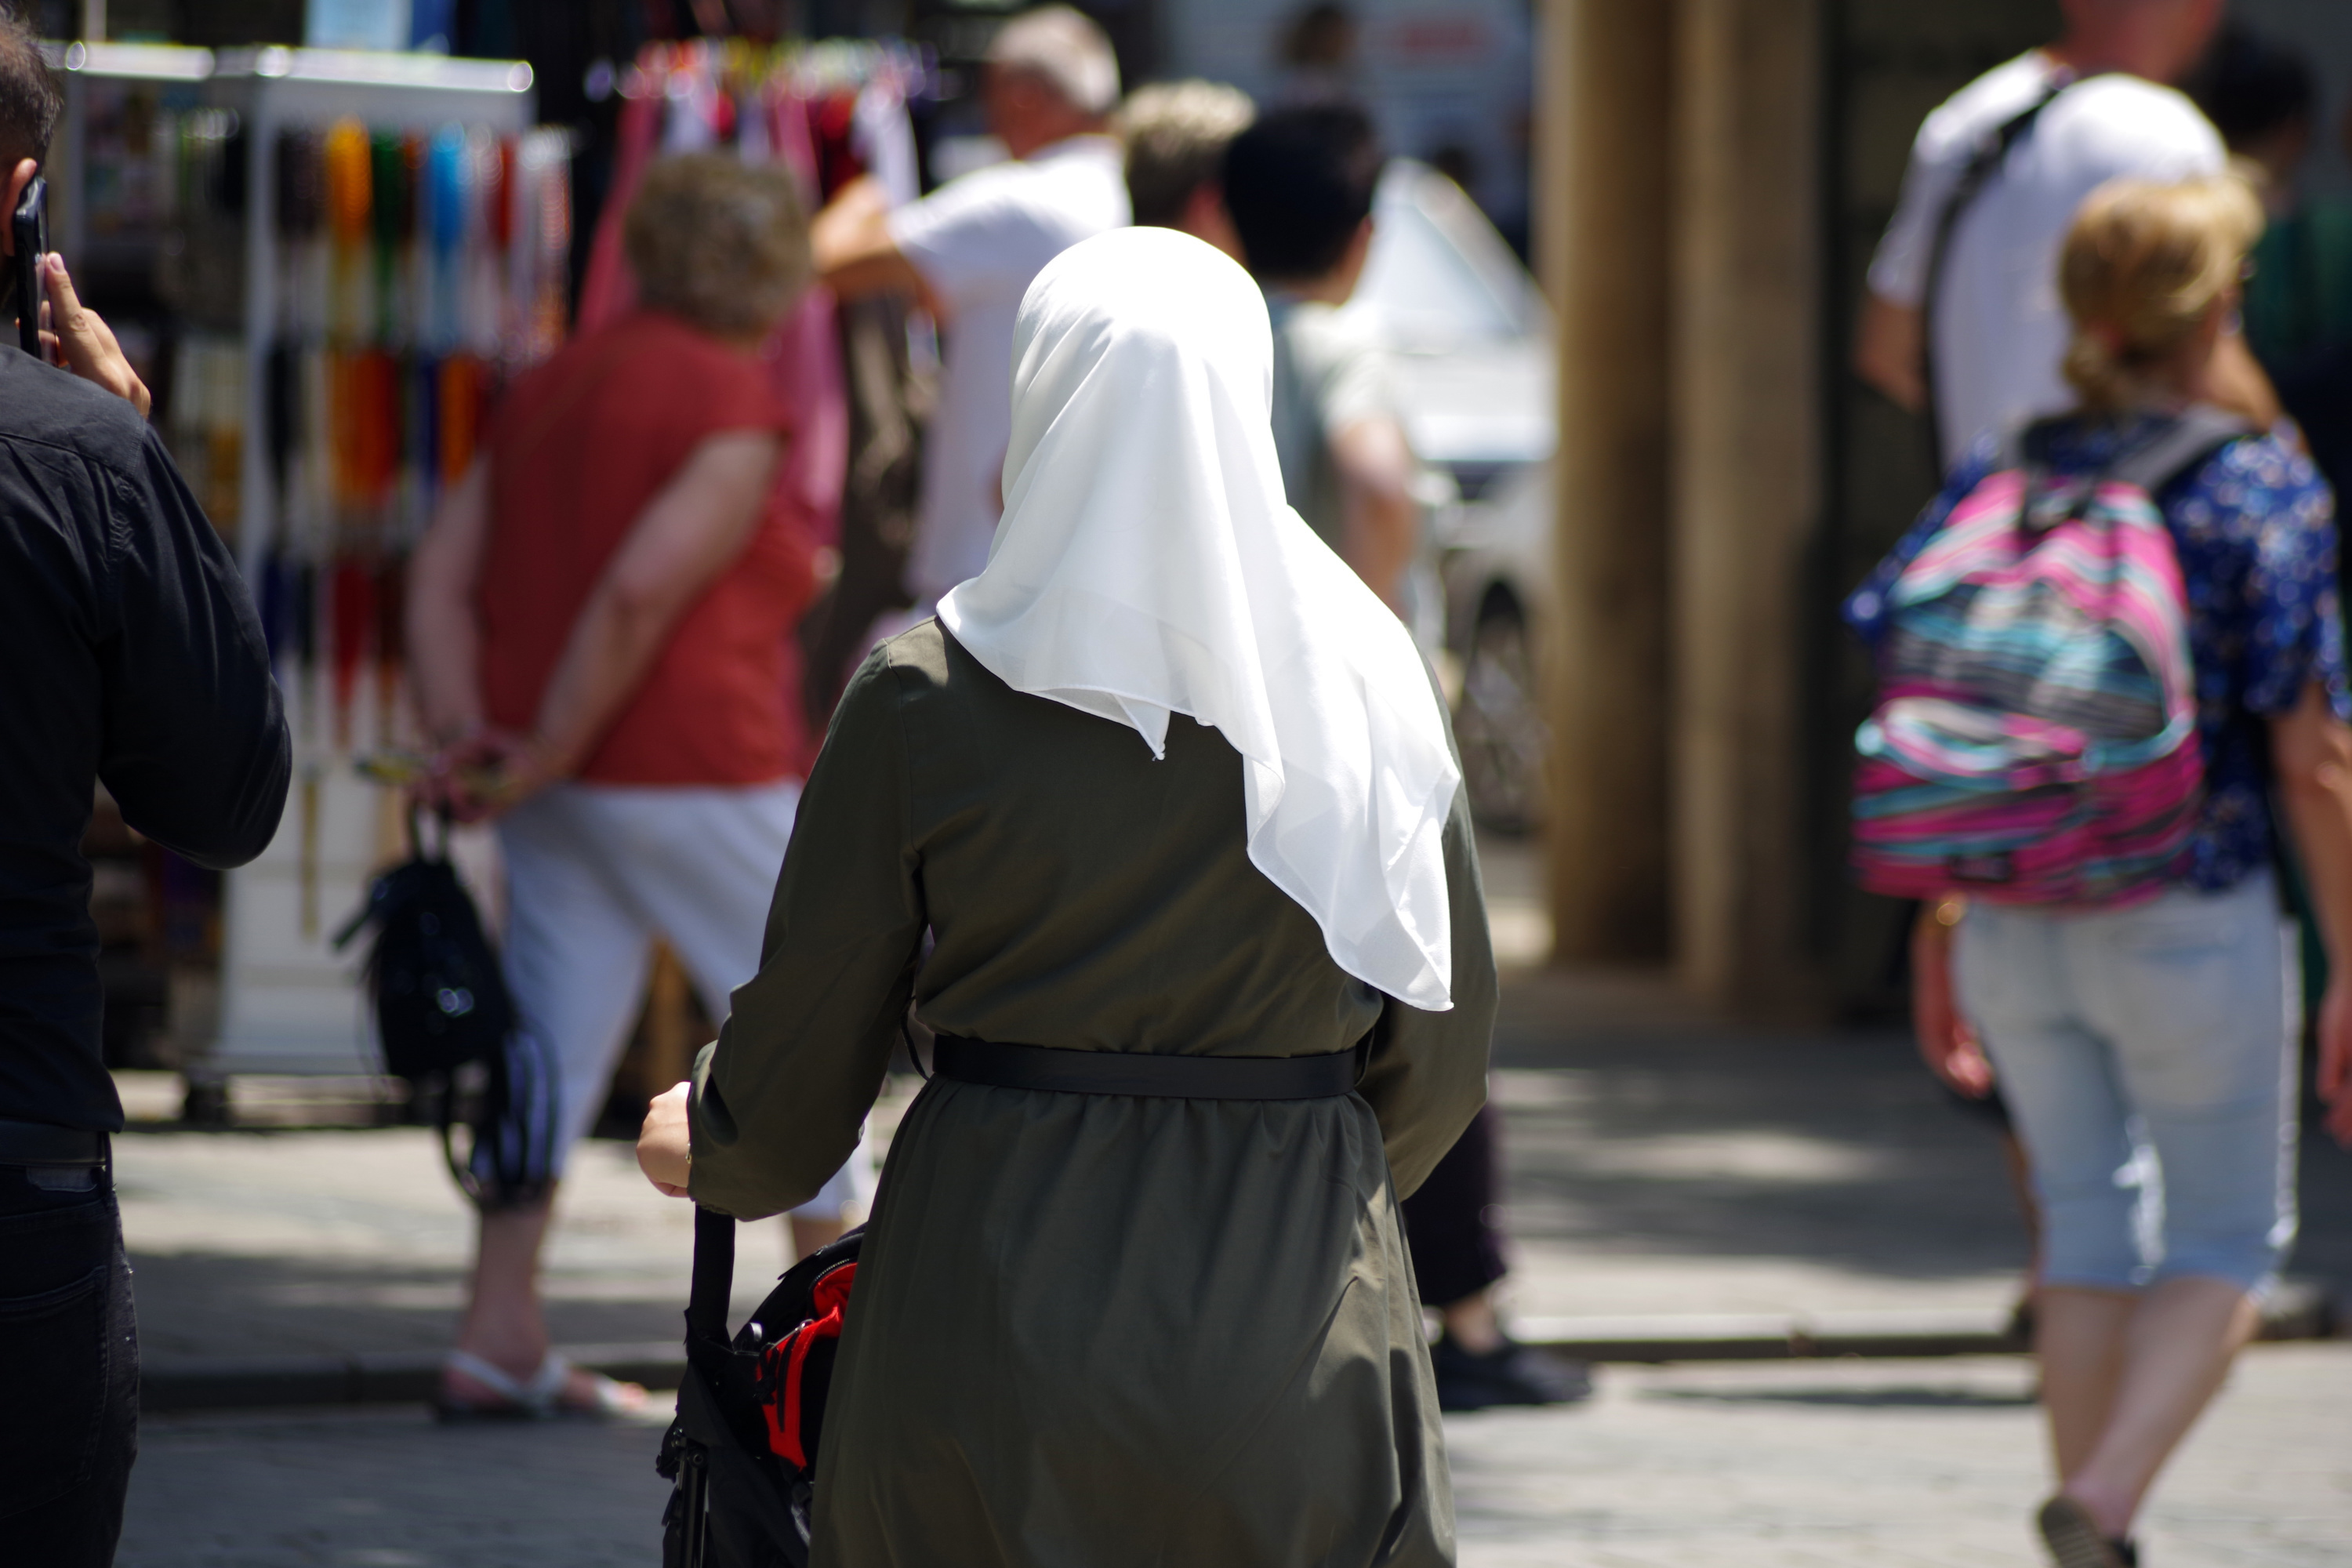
(1148, 565)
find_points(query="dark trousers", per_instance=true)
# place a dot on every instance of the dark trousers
(1453, 1223)
(69, 1369)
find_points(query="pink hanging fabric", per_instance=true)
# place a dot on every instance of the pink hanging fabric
(804, 358)
(607, 292)
(788, 134)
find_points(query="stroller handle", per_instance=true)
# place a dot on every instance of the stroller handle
(714, 1275)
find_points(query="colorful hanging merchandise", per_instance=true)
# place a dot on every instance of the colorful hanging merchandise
(203, 153)
(772, 104)
(414, 272)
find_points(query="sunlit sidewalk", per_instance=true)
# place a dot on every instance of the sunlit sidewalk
(1828, 1465)
(1666, 1173)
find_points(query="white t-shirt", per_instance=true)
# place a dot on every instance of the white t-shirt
(1999, 328)
(1329, 373)
(978, 242)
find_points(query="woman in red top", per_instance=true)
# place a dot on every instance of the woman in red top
(598, 618)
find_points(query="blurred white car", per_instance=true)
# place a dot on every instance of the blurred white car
(1475, 372)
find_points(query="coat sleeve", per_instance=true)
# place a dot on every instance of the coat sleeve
(196, 749)
(1427, 1077)
(778, 1097)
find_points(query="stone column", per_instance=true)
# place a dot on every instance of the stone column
(1602, 210)
(1746, 497)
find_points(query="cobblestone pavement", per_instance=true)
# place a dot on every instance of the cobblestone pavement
(1825, 1465)
(1659, 1167)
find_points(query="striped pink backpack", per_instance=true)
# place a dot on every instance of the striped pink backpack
(2035, 737)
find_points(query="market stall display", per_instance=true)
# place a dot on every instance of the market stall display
(343, 254)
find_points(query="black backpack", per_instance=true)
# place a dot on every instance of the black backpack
(449, 1026)
(741, 1456)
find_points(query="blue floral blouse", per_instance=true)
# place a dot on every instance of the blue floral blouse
(2255, 528)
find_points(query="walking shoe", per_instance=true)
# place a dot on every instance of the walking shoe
(1511, 1373)
(2074, 1541)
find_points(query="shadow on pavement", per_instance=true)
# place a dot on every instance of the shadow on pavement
(1637, 1127)
(216, 1304)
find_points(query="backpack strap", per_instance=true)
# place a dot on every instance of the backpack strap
(1991, 153)
(2025, 448)
(2025, 444)
(2186, 443)
(2177, 446)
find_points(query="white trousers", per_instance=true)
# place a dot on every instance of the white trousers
(594, 873)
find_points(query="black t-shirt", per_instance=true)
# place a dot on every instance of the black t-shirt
(131, 654)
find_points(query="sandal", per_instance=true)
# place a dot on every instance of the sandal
(539, 1397)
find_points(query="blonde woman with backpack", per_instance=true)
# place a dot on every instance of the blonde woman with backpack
(2142, 1021)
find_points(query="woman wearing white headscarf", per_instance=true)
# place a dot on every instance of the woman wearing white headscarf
(1174, 796)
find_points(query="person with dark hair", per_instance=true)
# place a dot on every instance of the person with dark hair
(135, 660)
(1317, 52)
(2264, 99)
(1299, 183)
(2261, 96)
(30, 104)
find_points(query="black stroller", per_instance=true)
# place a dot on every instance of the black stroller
(742, 1455)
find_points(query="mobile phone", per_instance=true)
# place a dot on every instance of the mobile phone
(29, 227)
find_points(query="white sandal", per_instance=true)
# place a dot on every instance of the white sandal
(536, 1398)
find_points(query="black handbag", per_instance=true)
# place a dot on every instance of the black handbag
(448, 1027)
(740, 1458)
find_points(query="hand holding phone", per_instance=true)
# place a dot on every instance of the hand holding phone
(51, 323)
(81, 341)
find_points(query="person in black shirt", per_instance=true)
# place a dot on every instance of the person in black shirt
(132, 654)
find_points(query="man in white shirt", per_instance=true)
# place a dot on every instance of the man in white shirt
(969, 251)
(1999, 328)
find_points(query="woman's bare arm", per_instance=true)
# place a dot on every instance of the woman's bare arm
(688, 534)
(1888, 351)
(1380, 518)
(2311, 752)
(442, 636)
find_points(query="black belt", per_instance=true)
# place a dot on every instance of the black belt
(1151, 1076)
(42, 1143)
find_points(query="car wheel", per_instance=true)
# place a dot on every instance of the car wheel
(1499, 726)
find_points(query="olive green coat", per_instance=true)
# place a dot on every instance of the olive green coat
(1089, 1331)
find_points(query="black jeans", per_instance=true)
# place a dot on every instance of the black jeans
(69, 1368)
(1451, 1223)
